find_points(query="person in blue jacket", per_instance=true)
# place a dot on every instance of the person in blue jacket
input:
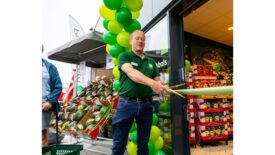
(51, 89)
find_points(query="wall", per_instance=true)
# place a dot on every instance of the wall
(150, 9)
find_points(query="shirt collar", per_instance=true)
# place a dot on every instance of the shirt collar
(133, 54)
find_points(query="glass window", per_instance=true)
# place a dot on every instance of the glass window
(156, 47)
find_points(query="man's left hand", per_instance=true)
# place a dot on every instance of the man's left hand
(46, 106)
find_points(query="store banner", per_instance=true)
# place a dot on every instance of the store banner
(76, 29)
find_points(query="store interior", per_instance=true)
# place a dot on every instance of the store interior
(210, 35)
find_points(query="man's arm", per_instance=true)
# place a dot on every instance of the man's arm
(157, 78)
(138, 77)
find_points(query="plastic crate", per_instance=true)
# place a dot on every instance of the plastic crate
(62, 150)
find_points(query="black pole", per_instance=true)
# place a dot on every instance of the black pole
(180, 128)
(56, 124)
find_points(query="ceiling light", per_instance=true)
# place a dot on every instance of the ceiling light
(230, 28)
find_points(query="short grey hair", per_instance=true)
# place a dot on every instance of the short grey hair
(135, 32)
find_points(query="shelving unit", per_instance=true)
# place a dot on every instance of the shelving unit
(191, 118)
(211, 120)
(212, 115)
(230, 118)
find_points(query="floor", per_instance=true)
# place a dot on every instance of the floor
(220, 148)
(103, 146)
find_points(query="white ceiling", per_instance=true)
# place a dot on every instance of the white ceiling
(211, 20)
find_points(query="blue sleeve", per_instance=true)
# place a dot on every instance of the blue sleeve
(56, 85)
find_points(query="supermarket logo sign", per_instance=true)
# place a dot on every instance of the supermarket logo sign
(162, 63)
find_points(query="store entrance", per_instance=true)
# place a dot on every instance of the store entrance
(208, 43)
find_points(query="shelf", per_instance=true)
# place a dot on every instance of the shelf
(213, 123)
(214, 97)
(192, 139)
(230, 120)
(229, 109)
(214, 137)
(212, 110)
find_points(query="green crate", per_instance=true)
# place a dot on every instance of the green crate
(62, 150)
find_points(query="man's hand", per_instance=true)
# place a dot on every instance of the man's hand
(158, 87)
(46, 106)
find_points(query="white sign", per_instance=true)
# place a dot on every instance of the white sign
(109, 62)
(82, 68)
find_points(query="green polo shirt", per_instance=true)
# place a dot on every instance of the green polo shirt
(147, 66)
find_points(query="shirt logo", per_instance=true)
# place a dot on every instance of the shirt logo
(134, 64)
(150, 66)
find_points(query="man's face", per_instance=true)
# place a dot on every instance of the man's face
(138, 41)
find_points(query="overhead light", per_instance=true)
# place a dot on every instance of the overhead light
(230, 28)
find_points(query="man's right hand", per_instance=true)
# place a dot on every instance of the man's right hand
(158, 87)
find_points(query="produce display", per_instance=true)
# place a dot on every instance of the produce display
(86, 110)
(222, 65)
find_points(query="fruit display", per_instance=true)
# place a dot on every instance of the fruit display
(222, 65)
(85, 111)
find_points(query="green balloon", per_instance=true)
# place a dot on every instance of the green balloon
(113, 4)
(116, 84)
(155, 119)
(109, 38)
(114, 26)
(107, 13)
(132, 148)
(115, 61)
(132, 25)
(159, 152)
(105, 24)
(116, 72)
(165, 107)
(134, 5)
(128, 49)
(115, 50)
(123, 39)
(151, 147)
(133, 127)
(133, 136)
(154, 133)
(159, 143)
(123, 15)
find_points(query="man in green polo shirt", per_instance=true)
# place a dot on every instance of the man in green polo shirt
(139, 78)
